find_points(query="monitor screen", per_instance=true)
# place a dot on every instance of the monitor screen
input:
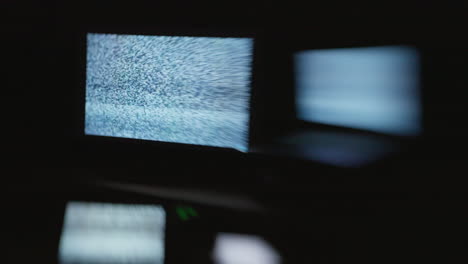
(101, 233)
(368, 88)
(190, 90)
(231, 248)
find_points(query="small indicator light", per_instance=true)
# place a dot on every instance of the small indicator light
(186, 212)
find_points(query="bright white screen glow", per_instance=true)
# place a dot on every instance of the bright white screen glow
(243, 249)
(375, 88)
(112, 233)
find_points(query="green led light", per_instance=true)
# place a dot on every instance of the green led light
(186, 212)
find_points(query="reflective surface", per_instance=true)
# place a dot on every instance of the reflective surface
(336, 148)
(339, 148)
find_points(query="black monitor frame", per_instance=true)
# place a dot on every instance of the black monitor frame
(90, 142)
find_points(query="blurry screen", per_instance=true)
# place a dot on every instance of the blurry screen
(192, 90)
(375, 88)
(95, 233)
(243, 249)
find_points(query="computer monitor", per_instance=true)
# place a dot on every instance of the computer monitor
(178, 89)
(374, 89)
(232, 248)
(95, 232)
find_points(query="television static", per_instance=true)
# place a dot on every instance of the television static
(189, 90)
(112, 233)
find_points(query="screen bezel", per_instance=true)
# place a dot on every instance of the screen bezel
(90, 140)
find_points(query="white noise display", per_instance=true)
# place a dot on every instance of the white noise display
(190, 90)
(101, 233)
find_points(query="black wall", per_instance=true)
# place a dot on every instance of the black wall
(44, 82)
(410, 204)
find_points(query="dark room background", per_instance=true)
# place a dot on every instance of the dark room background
(42, 44)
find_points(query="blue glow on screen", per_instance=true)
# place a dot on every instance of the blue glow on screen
(192, 90)
(375, 88)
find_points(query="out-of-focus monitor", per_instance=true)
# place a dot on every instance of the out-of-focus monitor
(101, 233)
(231, 248)
(177, 89)
(368, 88)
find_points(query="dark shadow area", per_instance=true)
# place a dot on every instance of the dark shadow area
(382, 199)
